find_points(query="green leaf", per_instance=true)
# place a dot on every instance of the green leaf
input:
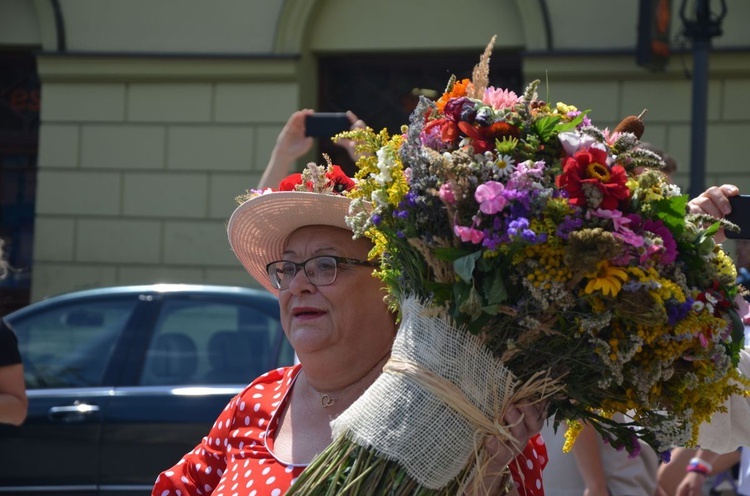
(490, 309)
(464, 266)
(545, 126)
(567, 126)
(450, 253)
(738, 336)
(671, 211)
(495, 291)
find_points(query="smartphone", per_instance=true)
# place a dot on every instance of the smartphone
(739, 215)
(326, 124)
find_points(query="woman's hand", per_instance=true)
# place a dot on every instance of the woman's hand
(348, 144)
(691, 485)
(291, 144)
(714, 202)
(523, 421)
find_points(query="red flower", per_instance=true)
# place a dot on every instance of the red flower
(445, 128)
(337, 180)
(290, 182)
(483, 137)
(588, 180)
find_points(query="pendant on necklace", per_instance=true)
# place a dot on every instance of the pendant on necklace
(327, 400)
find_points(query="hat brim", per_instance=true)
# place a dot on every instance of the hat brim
(258, 228)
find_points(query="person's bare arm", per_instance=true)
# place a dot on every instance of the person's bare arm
(291, 144)
(13, 401)
(588, 455)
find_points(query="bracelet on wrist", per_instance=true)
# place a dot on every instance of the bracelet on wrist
(699, 466)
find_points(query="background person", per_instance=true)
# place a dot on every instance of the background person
(593, 467)
(689, 470)
(13, 401)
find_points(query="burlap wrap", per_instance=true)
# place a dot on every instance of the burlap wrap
(415, 414)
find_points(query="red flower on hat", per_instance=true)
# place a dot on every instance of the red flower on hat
(337, 181)
(589, 181)
(290, 182)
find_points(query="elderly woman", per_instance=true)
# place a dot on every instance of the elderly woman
(297, 244)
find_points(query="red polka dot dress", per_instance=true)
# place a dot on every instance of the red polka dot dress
(236, 457)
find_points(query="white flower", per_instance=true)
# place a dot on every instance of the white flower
(573, 141)
(505, 165)
(379, 198)
(385, 164)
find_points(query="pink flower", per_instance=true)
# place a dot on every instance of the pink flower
(499, 99)
(490, 198)
(668, 243)
(468, 234)
(446, 194)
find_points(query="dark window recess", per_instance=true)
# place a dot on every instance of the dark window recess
(384, 89)
(19, 136)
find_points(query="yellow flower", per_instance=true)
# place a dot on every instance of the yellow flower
(564, 108)
(574, 428)
(607, 279)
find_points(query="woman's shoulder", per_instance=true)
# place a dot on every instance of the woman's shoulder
(273, 381)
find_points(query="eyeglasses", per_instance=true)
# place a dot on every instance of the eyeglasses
(321, 270)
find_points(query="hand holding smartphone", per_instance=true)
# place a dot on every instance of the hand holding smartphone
(326, 124)
(739, 215)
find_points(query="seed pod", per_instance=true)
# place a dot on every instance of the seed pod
(632, 124)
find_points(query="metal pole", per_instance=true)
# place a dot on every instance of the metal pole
(700, 30)
(699, 118)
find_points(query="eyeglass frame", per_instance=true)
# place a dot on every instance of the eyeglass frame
(303, 265)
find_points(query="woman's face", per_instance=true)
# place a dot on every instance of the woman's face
(347, 317)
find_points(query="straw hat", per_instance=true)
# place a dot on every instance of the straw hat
(259, 227)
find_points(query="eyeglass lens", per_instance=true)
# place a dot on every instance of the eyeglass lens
(319, 270)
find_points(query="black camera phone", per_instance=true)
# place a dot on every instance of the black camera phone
(326, 124)
(739, 215)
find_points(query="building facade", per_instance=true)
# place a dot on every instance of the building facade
(133, 125)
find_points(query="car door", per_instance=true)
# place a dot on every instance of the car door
(66, 350)
(179, 381)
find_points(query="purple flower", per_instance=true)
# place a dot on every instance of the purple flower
(568, 225)
(460, 109)
(675, 313)
(517, 226)
(669, 245)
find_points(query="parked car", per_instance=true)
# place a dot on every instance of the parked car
(123, 381)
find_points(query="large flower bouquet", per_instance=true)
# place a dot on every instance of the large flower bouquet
(563, 251)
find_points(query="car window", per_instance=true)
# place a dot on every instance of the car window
(205, 342)
(70, 345)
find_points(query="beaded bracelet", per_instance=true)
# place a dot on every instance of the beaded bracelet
(698, 465)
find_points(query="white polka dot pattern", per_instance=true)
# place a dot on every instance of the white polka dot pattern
(233, 459)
